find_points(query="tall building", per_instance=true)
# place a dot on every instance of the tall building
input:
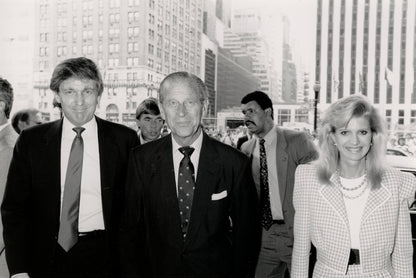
(235, 79)
(134, 42)
(368, 47)
(245, 38)
(16, 46)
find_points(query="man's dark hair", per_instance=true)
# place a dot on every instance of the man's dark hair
(261, 98)
(148, 106)
(6, 95)
(22, 116)
(81, 67)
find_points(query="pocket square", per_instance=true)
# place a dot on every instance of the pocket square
(219, 196)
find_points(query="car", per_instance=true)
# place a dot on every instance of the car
(396, 152)
(407, 164)
(403, 163)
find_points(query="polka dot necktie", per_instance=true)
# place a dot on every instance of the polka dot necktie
(68, 227)
(186, 186)
(266, 213)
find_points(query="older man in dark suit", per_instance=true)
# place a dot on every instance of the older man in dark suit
(191, 203)
(66, 184)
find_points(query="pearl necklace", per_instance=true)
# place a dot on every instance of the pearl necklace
(361, 185)
(355, 187)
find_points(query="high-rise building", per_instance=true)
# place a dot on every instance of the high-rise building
(134, 42)
(245, 38)
(368, 47)
(235, 79)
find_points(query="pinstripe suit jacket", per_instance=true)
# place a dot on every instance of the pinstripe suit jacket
(321, 218)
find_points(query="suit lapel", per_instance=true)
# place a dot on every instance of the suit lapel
(281, 162)
(333, 196)
(108, 159)
(207, 180)
(163, 185)
(376, 198)
(52, 150)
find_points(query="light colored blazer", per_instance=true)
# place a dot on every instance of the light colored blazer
(7, 140)
(293, 148)
(321, 218)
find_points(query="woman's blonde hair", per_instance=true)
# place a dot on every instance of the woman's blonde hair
(339, 115)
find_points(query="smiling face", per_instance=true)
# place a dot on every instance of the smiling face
(183, 111)
(353, 141)
(79, 99)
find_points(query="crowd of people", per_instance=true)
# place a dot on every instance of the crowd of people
(405, 143)
(85, 197)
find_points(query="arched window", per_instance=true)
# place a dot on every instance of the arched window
(111, 113)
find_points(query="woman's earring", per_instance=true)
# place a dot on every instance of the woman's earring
(335, 144)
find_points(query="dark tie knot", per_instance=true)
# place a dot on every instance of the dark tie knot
(262, 141)
(186, 151)
(78, 130)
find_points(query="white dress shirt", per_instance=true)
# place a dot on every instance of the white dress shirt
(91, 209)
(177, 156)
(274, 193)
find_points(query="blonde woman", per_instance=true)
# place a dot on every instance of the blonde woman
(350, 204)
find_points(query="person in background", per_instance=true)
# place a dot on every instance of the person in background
(65, 186)
(191, 204)
(26, 118)
(349, 204)
(7, 140)
(246, 136)
(227, 138)
(149, 121)
(275, 153)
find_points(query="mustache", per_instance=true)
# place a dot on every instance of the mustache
(251, 122)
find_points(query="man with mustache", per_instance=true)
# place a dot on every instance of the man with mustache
(275, 153)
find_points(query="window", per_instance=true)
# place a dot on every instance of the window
(150, 49)
(401, 117)
(283, 116)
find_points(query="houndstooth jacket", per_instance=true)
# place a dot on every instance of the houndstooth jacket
(321, 218)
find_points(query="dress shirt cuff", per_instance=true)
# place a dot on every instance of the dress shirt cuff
(21, 275)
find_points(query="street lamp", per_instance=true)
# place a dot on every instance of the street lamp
(316, 89)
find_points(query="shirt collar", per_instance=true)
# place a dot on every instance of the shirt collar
(90, 128)
(197, 144)
(270, 137)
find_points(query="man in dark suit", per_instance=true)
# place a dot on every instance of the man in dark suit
(7, 140)
(275, 153)
(191, 203)
(65, 186)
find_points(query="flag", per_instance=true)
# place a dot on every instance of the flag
(335, 81)
(388, 76)
(361, 79)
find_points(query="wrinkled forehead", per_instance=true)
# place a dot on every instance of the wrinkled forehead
(187, 85)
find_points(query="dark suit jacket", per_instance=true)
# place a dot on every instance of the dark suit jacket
(212, 247)
(31, 204)
(293, 148)
(241, 140)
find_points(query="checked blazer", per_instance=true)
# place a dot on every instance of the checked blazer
(321, 218)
